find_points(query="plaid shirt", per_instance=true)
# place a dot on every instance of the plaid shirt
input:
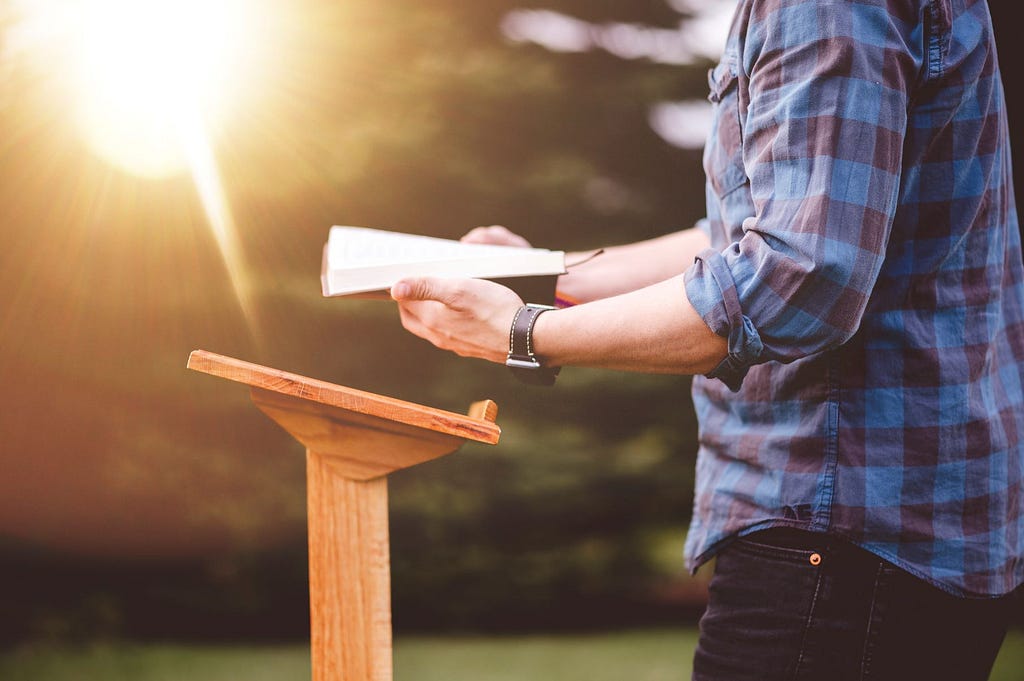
(866, 270)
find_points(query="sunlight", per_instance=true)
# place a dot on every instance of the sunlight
(146, 69)
(153, 78)
(207, 180)
(152, 86)
(700, 34)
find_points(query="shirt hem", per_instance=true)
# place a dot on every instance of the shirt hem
(710, 552)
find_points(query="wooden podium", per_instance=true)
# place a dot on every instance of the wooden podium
(353, 440)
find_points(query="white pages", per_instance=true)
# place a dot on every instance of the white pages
(360, 259)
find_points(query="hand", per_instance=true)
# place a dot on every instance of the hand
(470, 317)
(495, 235)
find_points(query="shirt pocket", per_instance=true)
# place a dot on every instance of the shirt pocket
(723, 152)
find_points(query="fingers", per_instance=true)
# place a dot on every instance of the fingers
(422, 302)
(424, 318)
(469, 317)
(412, 322)
(495, 235)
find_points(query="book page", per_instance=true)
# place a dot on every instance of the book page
(362, 246)
(360, 259)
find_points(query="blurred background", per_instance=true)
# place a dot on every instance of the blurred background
(168, 175)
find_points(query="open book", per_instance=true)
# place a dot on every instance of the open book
(360, 260)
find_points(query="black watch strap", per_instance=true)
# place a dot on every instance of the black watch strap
(521, 360)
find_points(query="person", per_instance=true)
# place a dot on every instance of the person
(852, 310)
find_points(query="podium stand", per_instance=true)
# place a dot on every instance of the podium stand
(353, 440)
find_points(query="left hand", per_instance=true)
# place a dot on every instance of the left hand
(496, 235)
(470, 317)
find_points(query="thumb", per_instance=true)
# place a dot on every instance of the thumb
(419, 288)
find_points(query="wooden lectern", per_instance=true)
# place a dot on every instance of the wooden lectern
(353, 440)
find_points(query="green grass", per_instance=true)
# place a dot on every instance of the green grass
(1010, 663)
(662, 655)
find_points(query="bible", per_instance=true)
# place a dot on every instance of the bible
(362, 260)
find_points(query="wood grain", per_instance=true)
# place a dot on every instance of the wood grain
(314, 390)
(485, 410)
(359, 446)
(349, 575)
(353, 440)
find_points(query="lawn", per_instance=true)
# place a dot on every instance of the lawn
(662, 655)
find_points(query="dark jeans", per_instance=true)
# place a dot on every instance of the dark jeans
(787, 605)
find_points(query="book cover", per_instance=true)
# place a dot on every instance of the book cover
(363, 260)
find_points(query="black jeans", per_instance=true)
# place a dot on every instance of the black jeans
(787, 605)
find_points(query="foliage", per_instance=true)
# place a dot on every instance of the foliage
(141, 500)
(151, 493)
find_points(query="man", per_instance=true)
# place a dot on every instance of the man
(853, 314)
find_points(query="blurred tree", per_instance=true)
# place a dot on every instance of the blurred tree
(420, 116)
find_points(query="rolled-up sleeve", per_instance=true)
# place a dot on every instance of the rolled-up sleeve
(823, 113)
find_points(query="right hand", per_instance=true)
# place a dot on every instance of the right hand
(495, 235)
(470, 317)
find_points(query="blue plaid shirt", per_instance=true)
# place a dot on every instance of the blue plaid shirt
(866, 270)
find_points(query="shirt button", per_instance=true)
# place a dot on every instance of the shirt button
(815, 559)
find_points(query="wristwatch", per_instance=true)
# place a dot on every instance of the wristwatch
(521, 360)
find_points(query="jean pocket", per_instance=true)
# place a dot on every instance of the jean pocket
(787, 546)
(761, 598)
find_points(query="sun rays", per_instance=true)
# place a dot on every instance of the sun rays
(149, 84)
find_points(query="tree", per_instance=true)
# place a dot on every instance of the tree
(410, 115)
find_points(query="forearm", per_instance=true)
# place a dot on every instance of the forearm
(645, 325)
(652, 330)
(621, 269)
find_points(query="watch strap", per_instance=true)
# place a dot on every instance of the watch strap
(521, 359)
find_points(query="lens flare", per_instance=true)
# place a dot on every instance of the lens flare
(153, 80)
(145, 70)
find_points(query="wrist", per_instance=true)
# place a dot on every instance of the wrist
(582, 278)
(522, 359)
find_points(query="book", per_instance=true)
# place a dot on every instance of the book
(367, 260)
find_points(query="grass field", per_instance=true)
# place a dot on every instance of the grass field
(662, 655)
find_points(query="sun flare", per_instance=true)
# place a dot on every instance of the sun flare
(147, 72)
(150, 86)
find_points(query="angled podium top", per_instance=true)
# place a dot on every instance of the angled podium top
(366, 435)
